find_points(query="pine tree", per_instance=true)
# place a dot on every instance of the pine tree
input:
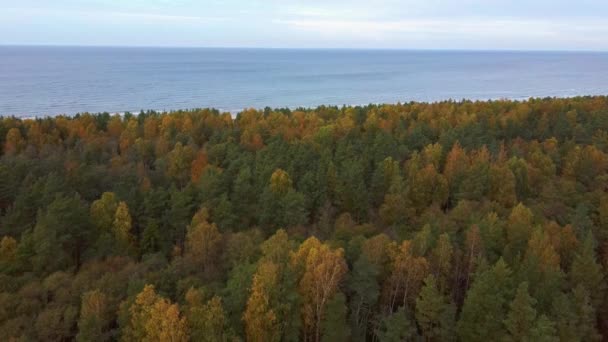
(586, 314)
(151, 239)
(485, 308)
(566, 319)
(502, 185)
(244, 197)
(441, 262)
(207, 321)
(544, 330)
(519, 228)
(334, 326)
(61, 235)
(434, 314)
(280, 204)
(365, 292)
(586, 271)
(541, 269)
(235, 295)
(396, 327)
(522, 315)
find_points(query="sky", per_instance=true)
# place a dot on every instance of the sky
(376, 24)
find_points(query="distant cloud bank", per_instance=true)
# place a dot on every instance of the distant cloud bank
(423, 24)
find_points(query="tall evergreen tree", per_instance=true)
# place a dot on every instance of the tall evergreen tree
(522, 315)
(335, 326)
(586, 271)
(485, 306)
(434, 314)
(396, 327)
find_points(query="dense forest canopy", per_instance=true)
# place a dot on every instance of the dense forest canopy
(468, 221)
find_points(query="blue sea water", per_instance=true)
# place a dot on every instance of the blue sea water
(37, 81)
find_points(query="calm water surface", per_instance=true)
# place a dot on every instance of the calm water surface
(67, 80)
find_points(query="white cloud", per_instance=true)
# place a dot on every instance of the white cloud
(462, 24)
(325, 12)
(464, 28)
(162, 17)
(105, 15)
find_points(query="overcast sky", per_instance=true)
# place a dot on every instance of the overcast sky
(401, 24)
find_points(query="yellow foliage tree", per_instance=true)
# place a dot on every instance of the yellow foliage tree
(115, 126)
(456, 164)
(179, 162)
(14, 141)
(165, 323)
(198, 166)
(323, 271)
(154, 318)
(280, 182)
(103, 211)
(203, 242)
(94, 317)
(261, 324)
(8, 249)
(122, 226)
(405, 280)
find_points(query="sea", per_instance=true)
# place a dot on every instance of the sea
(40, 81)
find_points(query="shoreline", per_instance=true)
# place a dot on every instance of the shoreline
(235, 112)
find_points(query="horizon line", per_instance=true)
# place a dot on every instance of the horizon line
(299, 48)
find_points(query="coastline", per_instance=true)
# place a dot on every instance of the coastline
(234, 112)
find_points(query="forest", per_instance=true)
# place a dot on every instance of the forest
(447, 221)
